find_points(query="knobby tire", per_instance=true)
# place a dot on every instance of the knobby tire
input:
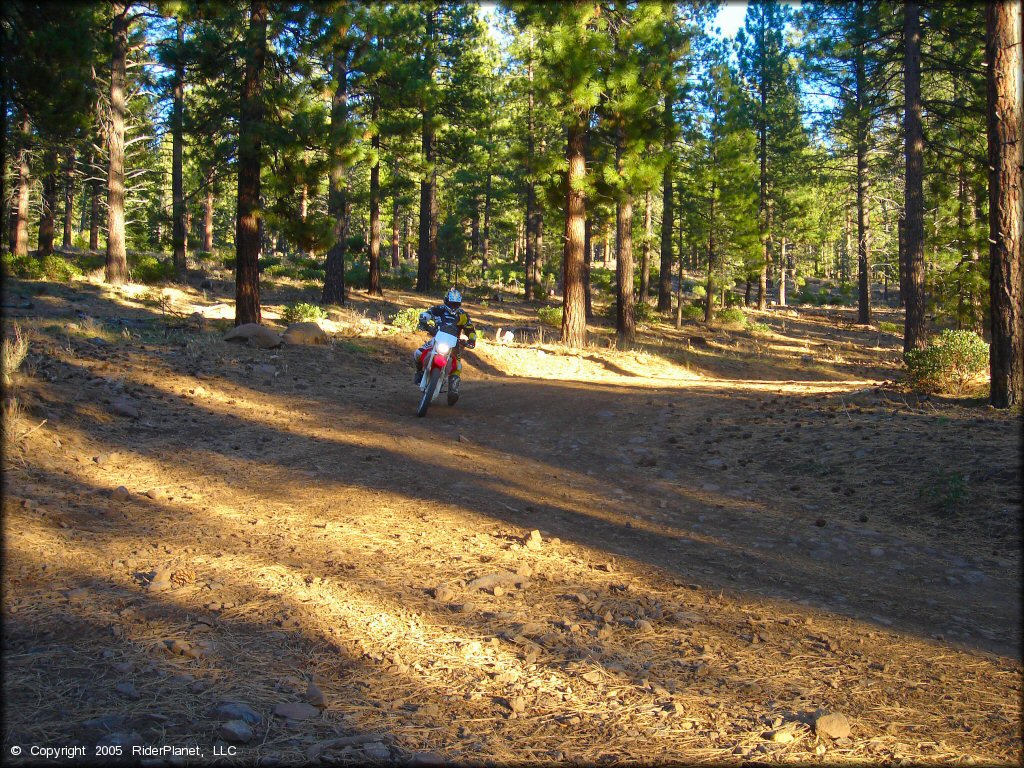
(428, 393)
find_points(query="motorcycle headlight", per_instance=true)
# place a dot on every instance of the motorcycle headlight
(442, 348)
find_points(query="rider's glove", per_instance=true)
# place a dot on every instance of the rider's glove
(470, 344)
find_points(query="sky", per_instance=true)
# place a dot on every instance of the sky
(730, 17)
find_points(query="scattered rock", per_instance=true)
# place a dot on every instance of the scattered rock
(104, 722)
(442, 593)
(125, 407)
(128, 690)
(232, 710)
(304, 333)
(120, 494)
(236, 732)
(264, 370)
(296, 711)
(315, 696)
(781, 737)
(643, 626)
(834, 726)
(156, 494)
(377, 751)
(490, 581)
(534, 541)
(255, 334)
(427, 759)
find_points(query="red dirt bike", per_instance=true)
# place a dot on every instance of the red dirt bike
(438, 363)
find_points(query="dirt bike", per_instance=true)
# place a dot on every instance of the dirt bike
(438, 364)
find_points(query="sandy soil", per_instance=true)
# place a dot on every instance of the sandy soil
(691, 551)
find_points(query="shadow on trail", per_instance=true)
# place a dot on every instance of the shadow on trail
(506, 475)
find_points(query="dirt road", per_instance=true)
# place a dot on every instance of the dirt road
(692, 552)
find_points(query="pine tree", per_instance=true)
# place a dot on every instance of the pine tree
(1006, 201)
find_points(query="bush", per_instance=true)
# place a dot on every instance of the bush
(731, 316)
(52, 267)
(301, 312)
(149, 269)
(644, 312)
(550, 316)
(948, 364)
(693, 312)
(407, 319)
(886, 327)
(759, 329)
(698, 290)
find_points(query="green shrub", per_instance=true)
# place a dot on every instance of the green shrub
(731, 316)
(644, 312)
(301, 312)
(886, 327)
(407, 319)
(698, 290)
(758, 329)
(550, 316)
(948, 364)
(59, 268)
(52, 267)
(149, 269)
(693, 312)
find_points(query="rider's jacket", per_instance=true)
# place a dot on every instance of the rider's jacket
(443, 314)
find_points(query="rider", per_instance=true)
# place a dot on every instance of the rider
(449, 312)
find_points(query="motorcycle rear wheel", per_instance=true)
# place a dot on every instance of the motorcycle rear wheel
(428, 393)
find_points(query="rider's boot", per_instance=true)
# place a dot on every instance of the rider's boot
(453, 384)
(418, 376)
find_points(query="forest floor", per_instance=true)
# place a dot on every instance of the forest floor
(694, 551)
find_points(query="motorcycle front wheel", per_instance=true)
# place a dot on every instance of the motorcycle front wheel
(428, 392)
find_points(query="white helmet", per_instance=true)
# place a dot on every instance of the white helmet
(453, 299)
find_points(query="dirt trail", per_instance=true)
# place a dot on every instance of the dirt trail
(718, 561)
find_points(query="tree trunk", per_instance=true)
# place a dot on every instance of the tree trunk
(1006, 205)
(208, 212)
(863, 245)
(625, 313)
(538, 251)
(374, 288)
(530, 289)
(428, 187)
(645, 257)
(709, 289)
(782, 272)
(177, 150)
(337, 194)
(588, 259)
(48, 208)
(247, 238)
(116, 270)
(762, 207)
(69, 197)
(574, 310)
(487, 224)
(19, 232)
(395, 263)
(915, 330)
(665, 274)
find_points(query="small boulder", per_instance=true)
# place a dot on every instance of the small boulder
(304, 333)
(120, 494)
(833, 725)
(296, 711)
(125, 407)
(257, 335)
(236, 732)
(232, 710)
